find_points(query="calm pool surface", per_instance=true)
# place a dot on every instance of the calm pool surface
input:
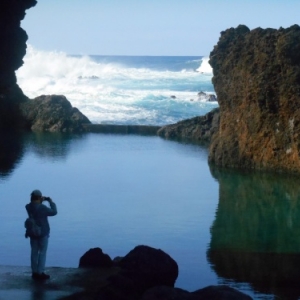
(119, 191)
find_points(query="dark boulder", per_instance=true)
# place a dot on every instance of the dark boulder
(95, 258)
(206, 97)
(197, 129)
(150, 267)
(142, 268)
(145, 273)
(256, 76)
(53, 113)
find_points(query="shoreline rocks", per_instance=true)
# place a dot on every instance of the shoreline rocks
(200, 129)
(145, 273)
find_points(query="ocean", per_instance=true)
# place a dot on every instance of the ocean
(123, 90)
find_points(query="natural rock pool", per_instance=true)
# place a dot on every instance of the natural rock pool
(119, 191)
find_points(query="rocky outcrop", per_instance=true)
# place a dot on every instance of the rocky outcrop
(145, 273)
(198, 129)
(52, 113)
(256, 75)
(206, 97)
(12, 50)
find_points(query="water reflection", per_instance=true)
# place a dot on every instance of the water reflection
(255, 237)
(52, 145)
(14, 145)
(11, 152)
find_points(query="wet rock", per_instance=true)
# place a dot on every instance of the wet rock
(52, 113)
(206, 97)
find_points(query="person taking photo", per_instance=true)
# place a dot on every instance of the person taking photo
(39, 244)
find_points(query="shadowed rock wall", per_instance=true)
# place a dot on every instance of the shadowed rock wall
(257, 81)
(12, 50)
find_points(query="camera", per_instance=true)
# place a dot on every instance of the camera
(46, 198)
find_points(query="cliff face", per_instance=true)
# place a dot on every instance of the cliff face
(12, 50)
(257, 81)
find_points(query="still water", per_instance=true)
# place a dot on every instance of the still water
(119, 191)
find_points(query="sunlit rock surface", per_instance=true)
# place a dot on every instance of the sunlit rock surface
(257, 82)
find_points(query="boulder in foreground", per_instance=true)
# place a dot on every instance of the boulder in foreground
(145, 273)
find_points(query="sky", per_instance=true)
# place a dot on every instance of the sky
(148, 27)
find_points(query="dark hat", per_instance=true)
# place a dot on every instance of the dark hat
(36, 193)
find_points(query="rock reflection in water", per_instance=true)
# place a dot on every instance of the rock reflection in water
(11, 152)
(52, 145)
(255, 237)
(13, 146)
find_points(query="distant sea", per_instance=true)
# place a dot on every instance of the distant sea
(135, 90)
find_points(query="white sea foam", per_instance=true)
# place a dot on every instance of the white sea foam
(113, 92)
(205, 67)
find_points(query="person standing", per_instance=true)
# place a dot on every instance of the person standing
(39, 245)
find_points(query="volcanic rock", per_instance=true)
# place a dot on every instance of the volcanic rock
(256, 76)
(197, 129)
(206, 97)
(53, 113)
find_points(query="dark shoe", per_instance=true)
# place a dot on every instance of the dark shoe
(35, 275)
(43, 276)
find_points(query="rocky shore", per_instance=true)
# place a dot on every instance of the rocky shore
(145, 273)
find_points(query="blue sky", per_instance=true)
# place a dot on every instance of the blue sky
(148, 27)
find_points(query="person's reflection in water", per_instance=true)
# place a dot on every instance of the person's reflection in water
(255, 235)
(38, 292)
